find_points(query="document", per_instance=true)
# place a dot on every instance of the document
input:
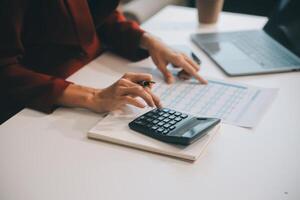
(234, 103)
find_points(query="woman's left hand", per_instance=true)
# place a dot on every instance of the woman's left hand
(162, 55)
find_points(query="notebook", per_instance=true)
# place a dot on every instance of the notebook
(114, 129)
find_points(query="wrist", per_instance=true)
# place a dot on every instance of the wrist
(147, 41)
(77, 96)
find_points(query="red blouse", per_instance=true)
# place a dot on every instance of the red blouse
(43, 42)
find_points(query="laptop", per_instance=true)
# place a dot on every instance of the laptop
(276, 48)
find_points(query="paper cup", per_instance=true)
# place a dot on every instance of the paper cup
(209, 10)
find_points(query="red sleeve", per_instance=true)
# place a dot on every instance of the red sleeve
(122, 36)
(31, 89)
(19, 84)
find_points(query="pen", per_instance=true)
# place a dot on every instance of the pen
(145, 83)
(195, 58)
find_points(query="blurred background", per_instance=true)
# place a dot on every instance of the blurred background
(141, 10)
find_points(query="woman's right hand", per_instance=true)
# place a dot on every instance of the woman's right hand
(122, 92)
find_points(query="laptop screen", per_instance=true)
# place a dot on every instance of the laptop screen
(284, 25)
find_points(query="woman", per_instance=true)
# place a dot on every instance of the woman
(43, 42)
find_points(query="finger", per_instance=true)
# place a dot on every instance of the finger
(123, 82)
(183, 75)
(191, 62)
(133, 101)
(190, 70)
(169, 78)
(139, 91)
(135, 77)
(155, 98)
(175, 66)
(127, 83)
(201, 79)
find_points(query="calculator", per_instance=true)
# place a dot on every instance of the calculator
(171, 126)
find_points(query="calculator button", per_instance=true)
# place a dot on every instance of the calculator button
(160, 123)
(167, 125)
(155, 111)
(167, 120)
(161, 113)
(172, 117)
(172, 127)
(178, 119)
(160, 118)
(172, 112)
(165, 132)
(184, 116)
(155, 121)
(154, 127)
(177, 114)
(172, 122)
(166, 115)
(155, 116)
(166, 110)
(149, 114)
(141, 117)
(149, 119)
(160, 130)
(139, 122)
(149, 125)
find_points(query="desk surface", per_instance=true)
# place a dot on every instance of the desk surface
(49, 156)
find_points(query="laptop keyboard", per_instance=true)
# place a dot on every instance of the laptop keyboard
(264, 51)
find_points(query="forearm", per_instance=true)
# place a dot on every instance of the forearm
(148, 41)
(76, 96)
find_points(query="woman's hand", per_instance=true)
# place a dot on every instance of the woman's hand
(124, 91)
(163, 55)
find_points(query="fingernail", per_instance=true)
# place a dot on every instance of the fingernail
(142, 105)
(171, 80)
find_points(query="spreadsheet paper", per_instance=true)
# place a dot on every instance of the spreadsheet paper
(234, 103)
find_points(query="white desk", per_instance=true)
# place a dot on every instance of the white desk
(46, 157)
